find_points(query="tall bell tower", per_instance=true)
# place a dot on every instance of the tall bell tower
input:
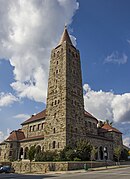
(65, 105)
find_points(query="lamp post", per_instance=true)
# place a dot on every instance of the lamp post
(105, 156)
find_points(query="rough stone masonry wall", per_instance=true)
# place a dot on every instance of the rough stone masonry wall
(44, 167)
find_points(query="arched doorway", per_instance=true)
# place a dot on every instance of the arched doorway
(26, 153)
(38, 149)
(21, 153)
(101, 153)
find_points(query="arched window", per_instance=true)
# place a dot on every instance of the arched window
(54, 144)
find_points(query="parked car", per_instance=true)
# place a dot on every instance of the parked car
(6, 169)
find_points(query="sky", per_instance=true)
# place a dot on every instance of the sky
(30, 29)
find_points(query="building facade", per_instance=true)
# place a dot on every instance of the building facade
(64, 121)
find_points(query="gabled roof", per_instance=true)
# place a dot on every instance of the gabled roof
(65, 37)
(109, 128)
(33, 118)
(87, 114)
(16, 135)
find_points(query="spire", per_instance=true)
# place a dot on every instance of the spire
(65, 37)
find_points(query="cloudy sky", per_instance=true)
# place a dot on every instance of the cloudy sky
(28, 32)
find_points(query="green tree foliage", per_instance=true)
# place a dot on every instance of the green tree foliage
(31, 153)
(117, 153)
(46, 156)
(81, 152)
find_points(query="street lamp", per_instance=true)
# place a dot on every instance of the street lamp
(105, 155)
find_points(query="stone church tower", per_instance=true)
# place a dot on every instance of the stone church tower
(65, 105)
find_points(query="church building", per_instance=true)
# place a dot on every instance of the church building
(64, 121)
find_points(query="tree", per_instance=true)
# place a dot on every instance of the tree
(117, 153)
(31, 153)
(93, 153)
(83, 150)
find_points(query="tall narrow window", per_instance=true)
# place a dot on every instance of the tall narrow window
(54, 144)
(55, 102)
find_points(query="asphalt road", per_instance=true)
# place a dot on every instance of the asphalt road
(121, 173)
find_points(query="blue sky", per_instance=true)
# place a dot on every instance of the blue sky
(31, 29)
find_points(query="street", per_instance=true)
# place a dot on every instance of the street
(120, 173)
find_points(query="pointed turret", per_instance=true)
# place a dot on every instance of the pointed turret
(65, 37)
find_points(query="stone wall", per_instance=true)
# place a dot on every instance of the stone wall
(43, 167)
(39, 167)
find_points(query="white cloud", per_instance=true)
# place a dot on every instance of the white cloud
(126, 141)
(3, 135)
(128, 41)
(21, 116)
(29, 30)
(116, 58)
(7, 99)
(107, 105)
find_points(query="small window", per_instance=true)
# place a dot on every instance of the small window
(55, 102)
(54, 144)
(57, 63)
(11, 145)
(58, 145)
(30, 129)
(89, 124)
(10, 153)
(38, 127)
(55, 115)
(34, 127)
(54, 130)
(52, 103)
(42, 127)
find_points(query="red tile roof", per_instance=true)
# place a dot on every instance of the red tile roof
(16, 135)
(87, 114)
(42, 115)
(33, 118)
(109, 128)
